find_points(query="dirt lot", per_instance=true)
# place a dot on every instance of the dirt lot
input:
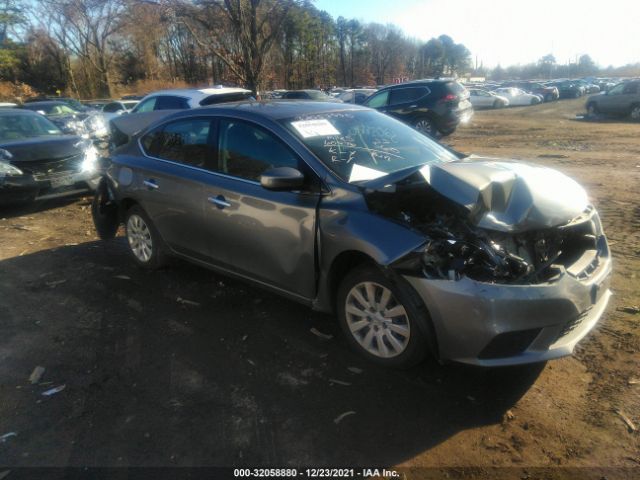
(235, 376)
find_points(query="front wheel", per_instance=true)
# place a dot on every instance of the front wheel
(145, 244)
(635, 113)
(380, 318)
(592, 110)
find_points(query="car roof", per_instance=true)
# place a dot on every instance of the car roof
(198, 94)
(275, 109)
(16, 111)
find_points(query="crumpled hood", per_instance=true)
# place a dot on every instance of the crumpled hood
(508, 196)
(44, 148)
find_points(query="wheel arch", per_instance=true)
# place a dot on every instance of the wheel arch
(342, 264)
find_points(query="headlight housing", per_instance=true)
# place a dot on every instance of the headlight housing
(75, 126)
(8, 170)
(90, 161)
(96, 125)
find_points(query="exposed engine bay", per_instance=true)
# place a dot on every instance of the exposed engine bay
(457, 246)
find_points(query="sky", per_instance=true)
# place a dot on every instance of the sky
(511, 32)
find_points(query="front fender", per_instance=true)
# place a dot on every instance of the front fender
(382, 240)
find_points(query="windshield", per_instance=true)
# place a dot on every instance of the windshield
(17, 127)
(363, 145)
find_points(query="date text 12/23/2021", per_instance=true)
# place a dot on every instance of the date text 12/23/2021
(315, 473)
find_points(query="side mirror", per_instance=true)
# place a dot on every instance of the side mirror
(282, 178)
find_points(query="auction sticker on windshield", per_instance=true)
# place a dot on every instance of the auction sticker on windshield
(315, 128)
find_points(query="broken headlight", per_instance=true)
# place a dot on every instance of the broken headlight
(478, 259)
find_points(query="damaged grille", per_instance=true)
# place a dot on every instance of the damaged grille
(456, 247)
(48, 169)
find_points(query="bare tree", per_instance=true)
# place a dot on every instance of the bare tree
(85, 28)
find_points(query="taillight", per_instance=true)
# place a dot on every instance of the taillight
(449, 98)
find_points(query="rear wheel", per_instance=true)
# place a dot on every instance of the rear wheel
(381, 318)
(425, 125)
(145, 244)
(592, 110)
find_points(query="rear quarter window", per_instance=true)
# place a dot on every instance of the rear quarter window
(226, 97)
(169, 102)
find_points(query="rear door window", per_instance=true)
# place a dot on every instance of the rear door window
(189, 141)
(406, 95)
(630, 88)
(146, 105)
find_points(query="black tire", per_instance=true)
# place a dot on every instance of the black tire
(497, 104)
(426, 126)
(549, 97)
(421, 337)
(592, 109)
(634, 112)
(157, 257)
(104, 212)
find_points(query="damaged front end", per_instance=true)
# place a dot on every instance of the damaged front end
(513, 270)
(493, 222)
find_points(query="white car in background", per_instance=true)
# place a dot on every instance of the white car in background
(118, 107)
(480, 98)
(156, 105)
(356, 95)
(517, 96)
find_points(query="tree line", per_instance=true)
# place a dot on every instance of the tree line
(95, 48)
(100, 48)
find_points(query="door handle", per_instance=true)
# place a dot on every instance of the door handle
(219, 201)
(151, 184)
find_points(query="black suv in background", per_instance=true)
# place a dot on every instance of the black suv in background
(435, 107)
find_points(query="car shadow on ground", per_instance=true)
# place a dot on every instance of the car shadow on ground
(186, 367)
(29, 208)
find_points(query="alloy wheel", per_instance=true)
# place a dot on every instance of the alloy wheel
(424, 126)
(635, 113)
(377, 321)
(139, 237)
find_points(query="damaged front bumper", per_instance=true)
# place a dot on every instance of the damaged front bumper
(491, 324)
